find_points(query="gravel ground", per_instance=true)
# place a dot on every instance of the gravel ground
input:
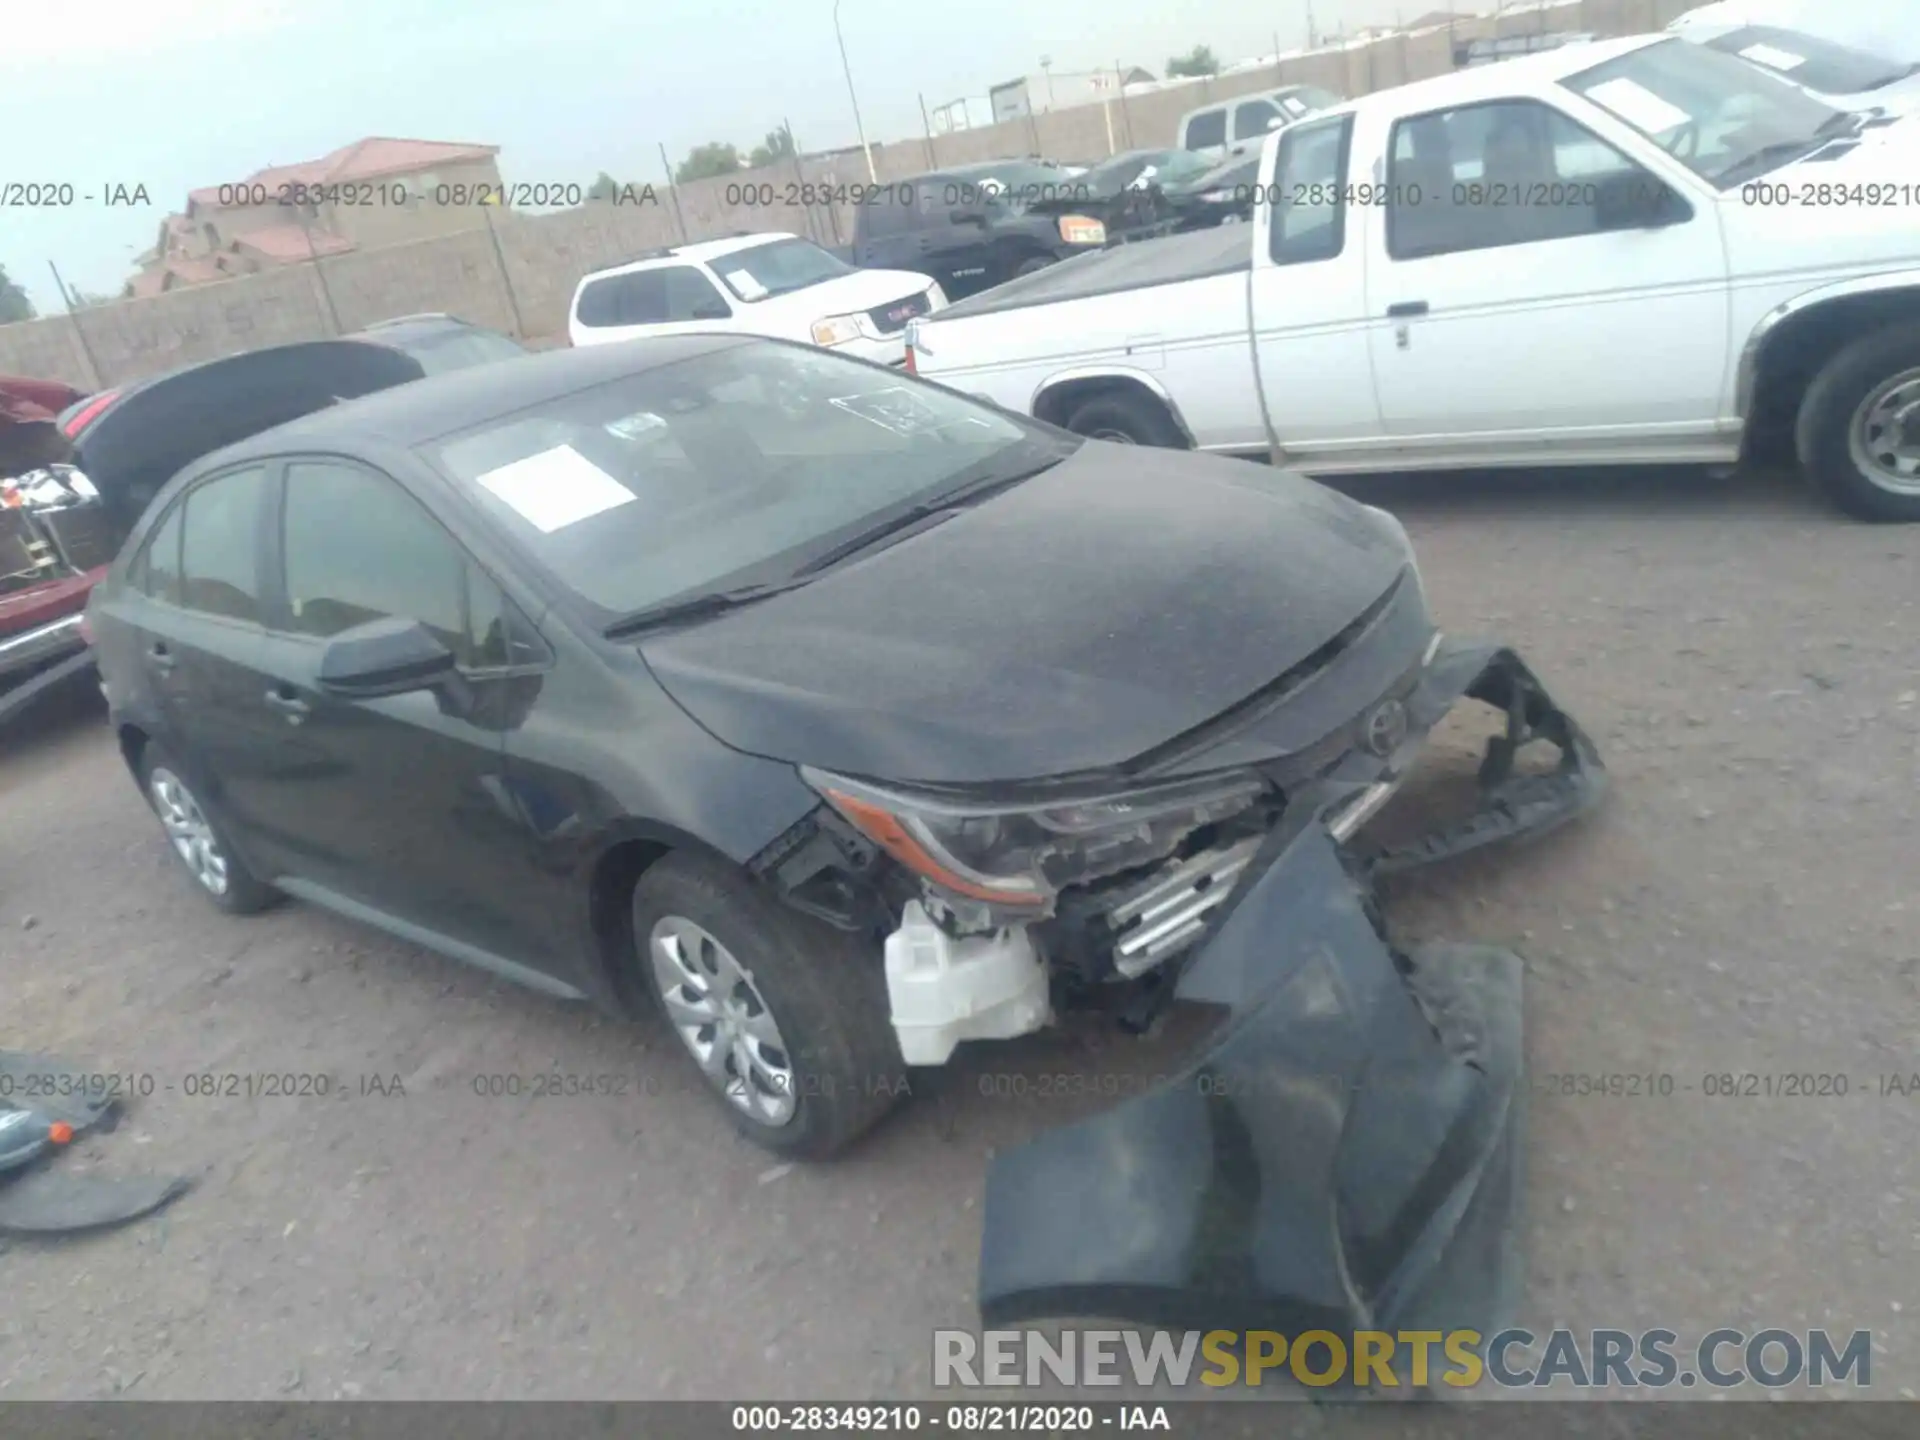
(1748, 663)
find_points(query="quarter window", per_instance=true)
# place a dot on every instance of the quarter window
(157, 573)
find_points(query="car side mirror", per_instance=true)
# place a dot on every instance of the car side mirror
(1635, 201)
(711, 310)
(384, 657)
(1274, 122)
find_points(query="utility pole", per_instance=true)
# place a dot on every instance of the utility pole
(858, 129)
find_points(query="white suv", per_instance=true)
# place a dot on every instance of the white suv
(768, 284)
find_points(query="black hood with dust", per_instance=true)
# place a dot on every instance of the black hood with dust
(1106, 606)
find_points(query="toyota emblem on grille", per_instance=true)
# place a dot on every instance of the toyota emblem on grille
(1383, 730)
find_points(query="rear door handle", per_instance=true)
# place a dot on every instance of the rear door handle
(1406, 309)
(161, 658)
(291, 706)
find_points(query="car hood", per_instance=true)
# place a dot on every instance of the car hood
(1101, 609)
(862, 290)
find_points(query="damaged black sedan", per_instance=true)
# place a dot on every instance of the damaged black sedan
(847, 720)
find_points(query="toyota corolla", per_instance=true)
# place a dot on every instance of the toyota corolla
(846, 720)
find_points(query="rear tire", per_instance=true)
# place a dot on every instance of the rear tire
(748, 985)
(1858, 433)
(198, 841)
(1126, 419)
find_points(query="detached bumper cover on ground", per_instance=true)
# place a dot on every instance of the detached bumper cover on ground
(1344, 1153)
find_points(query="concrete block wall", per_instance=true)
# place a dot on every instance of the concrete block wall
(517, 273)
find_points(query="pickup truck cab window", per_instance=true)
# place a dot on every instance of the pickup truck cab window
(1504, 172)
(1209, 128)
(1252, 120)
(1309, 193)
(1727, 121)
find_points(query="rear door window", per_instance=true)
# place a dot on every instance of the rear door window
(636, 298)
(220, 546)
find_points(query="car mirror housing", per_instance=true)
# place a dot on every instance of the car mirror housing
(384, 657)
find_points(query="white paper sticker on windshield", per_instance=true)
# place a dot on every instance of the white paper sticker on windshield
(1639, 106)
(1773, 58)
(555, 488)
(898, 409)
(747, 287)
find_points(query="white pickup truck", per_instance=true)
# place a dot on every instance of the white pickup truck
(1637, 251)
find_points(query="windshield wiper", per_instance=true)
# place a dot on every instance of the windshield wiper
(947, 503)
(1771, 157)
(691, 607)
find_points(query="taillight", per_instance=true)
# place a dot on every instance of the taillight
(87, 413)
(912, 368)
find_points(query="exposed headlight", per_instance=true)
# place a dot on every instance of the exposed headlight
(1082, 230)
(1025, 855)
(836, 330)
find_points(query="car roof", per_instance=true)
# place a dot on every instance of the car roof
(680, 254)
(439, 405)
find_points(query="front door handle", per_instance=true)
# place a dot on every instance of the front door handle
(291, 706)
(1406, 309)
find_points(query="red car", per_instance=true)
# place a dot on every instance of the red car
(48, 559)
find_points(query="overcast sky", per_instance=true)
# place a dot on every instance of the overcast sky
(173, 94)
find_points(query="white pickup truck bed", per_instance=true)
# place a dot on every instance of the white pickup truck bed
(1199, 255)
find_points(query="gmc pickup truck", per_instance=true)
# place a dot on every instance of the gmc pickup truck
(1639, 251)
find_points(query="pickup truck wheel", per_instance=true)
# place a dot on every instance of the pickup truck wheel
(786, 1017)
(1859, 428)
(1126, 420)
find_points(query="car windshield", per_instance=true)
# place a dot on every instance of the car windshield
(1724, 119)
(731, 467)
(779, 267)
(1161, 167)
(1234, 172)
(1819, 65)
(457, 348)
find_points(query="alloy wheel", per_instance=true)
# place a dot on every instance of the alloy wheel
(719, 1015)
(188, 829)
(1884, 437)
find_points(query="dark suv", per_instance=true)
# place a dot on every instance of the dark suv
(973, 226)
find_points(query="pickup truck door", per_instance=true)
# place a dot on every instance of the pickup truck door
(1307, 294)
(1528, 279)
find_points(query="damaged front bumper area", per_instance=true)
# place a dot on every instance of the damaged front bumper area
(1344, 1152)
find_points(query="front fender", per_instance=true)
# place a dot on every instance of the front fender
(1775, 322)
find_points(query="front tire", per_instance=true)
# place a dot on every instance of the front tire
(785, 1017)
(1858, 433)
(197, 840)
(1126, 419)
